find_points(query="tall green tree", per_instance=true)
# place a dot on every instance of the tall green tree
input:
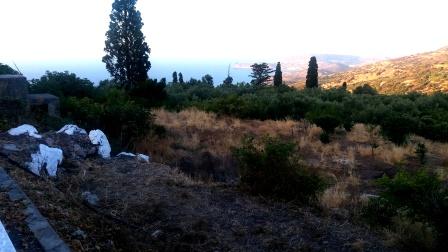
(278, 78)
(260, 74)
(312, 75)
(175, 77)
(127, 53)
(181, 78)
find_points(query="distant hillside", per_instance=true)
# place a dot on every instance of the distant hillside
(295, 68)
(425, 73)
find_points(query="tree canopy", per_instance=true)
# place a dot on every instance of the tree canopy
(260, 74)
(127, 53)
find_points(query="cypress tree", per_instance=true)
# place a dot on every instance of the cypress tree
(174, 77)
(127, 53)
(278, 79)
(181, 78)
(312, 75)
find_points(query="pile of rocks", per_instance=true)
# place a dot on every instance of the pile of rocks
(42, 154)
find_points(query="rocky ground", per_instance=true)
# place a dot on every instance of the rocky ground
(122, 204)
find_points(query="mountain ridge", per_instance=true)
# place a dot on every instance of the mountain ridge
(424, 73)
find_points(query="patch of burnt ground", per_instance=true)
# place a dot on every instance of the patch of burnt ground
(135, 206)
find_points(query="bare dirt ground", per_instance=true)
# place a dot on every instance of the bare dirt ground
(151, 207)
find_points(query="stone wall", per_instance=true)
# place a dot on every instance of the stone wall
(13, 87)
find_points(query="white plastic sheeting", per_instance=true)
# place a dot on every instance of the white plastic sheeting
(71, 129)
(25, 129)
(97, 137)
(5, 242)
(127, 154)
(140, 157)
(50, 157)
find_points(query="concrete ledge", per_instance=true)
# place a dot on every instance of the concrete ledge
(39, 226)
(5, 242)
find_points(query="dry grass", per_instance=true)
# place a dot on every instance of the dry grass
(194, 130)
(191, 132)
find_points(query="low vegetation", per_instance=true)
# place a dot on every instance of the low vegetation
(124, 116)
(415, 205)
(273, 169)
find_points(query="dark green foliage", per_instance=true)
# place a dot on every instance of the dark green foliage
(421, 151)
(419, 197)
(312, 74)
(365, 89)
(278, 78)
(397, 127)
(175, 81)
(149, 93)
(181, 78)
(64, 84)
(5, 69)
(122, 115)
(327, 122)
(113, 112)
(127, 53)
(274, 170)
(228, 81)
(207, 80)
(260, 74)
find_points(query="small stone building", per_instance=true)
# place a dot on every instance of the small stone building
(15, 100)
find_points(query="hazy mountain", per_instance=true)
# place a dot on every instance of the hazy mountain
(425, 73)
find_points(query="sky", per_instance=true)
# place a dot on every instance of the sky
(239, 30)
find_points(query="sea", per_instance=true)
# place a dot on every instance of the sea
(96, 71)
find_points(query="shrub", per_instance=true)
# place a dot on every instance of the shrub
(421, 152)
(63, 84)
(365, 89)
(274, 170)
(397, 127)
(419, 197)
(113, 111)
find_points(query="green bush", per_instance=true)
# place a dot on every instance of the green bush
(113, 111)
(63, 84)
(419, 197)
(273, 170)
(365, 89)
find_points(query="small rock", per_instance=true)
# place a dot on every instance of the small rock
(90, 198)
(156, 234)
(10, 147)
(79, 234)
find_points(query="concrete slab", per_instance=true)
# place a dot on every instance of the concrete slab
(5, 242)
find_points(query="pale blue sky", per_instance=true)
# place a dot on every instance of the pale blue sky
(73, 30)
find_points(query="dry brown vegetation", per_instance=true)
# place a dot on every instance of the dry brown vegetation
(349, 161)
